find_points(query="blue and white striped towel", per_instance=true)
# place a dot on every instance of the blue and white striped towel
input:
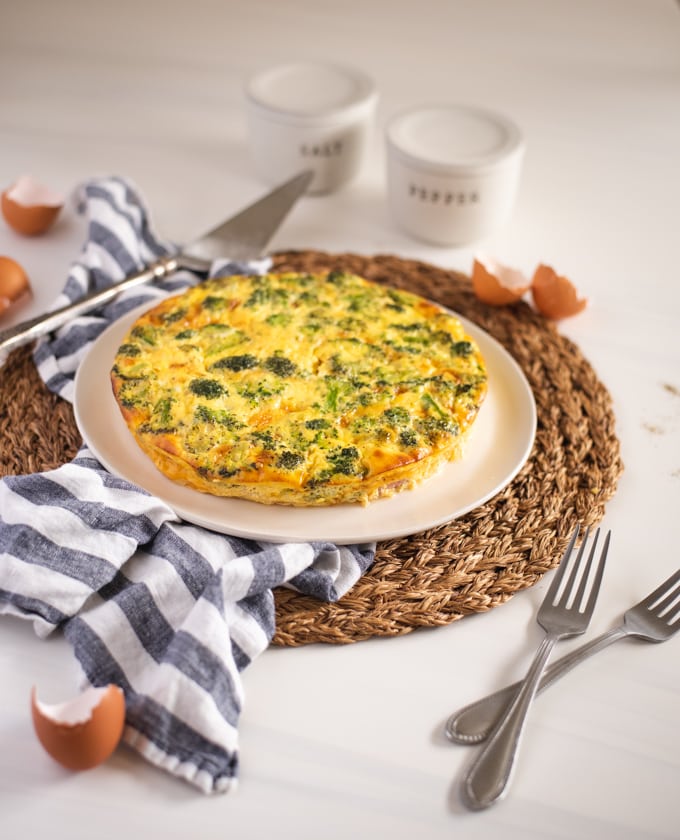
(169, 611)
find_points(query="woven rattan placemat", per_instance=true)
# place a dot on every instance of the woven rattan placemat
(467, 566)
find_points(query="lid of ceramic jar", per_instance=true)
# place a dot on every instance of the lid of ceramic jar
(454, 138)
(311, 92)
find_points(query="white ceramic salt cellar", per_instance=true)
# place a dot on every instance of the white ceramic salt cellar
(310, 115)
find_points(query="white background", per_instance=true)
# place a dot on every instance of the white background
(346, 741)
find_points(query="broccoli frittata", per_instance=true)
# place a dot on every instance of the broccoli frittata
(298, 389)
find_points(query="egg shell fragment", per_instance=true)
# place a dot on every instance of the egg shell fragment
(555, 296)
(14, 282)
(497, 284)
(29, 207)
(83, 732)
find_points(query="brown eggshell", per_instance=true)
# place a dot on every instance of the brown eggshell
(83, 732)
(496, 284)
(29, 207)
(13, 282)
(555, 296)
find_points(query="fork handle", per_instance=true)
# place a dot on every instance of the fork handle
(473, 723)
(487, 778)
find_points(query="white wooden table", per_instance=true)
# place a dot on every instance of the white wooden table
(335, 743)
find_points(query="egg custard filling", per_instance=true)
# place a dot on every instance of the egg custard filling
(299, 389)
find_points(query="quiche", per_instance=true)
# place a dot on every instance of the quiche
(298, 389)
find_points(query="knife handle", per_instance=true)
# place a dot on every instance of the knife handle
(27, 331)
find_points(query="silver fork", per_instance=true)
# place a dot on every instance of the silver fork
(565, 611)
(655, 619)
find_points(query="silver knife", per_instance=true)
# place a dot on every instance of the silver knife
(243, 237)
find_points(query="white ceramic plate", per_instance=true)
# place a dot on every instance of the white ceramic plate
(499, 444)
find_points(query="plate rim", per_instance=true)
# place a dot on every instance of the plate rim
(521, 388)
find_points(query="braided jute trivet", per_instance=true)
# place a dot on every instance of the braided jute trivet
(440, 575)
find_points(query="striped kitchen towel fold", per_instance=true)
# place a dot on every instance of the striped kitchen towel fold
(170, 612)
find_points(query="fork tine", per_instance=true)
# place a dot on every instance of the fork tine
(669, 609)
(597, 580)
(667, 586)
(665, 605)
(578, 600)
(562, 568)
(575, 566)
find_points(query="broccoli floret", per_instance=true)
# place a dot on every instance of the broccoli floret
(208, 388)
(336, 277)
(280, 366)
(174, 315)
(341, 461)
(259, 295)
(215, 328)
(212, 302)
(263, 292)
(129, 350)
(408, 438)
(241, 362)
(279, 319)
(256, 392)
(396, 416)
(289, 460)
(317, 423)
(146, 333)
(457, 348)
(219, 417)
(265, 439)
(161, 417)
(461, 348)
(433, 428)
(358, 302)
(344, 460)
(134, 391)
(407, 327)
(226, 472)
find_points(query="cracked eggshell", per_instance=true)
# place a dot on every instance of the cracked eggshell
(83, 732)
(555, 296)
(14, 282)
(29, 207)
(497, 284)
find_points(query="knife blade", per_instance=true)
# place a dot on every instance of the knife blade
(242, 237)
